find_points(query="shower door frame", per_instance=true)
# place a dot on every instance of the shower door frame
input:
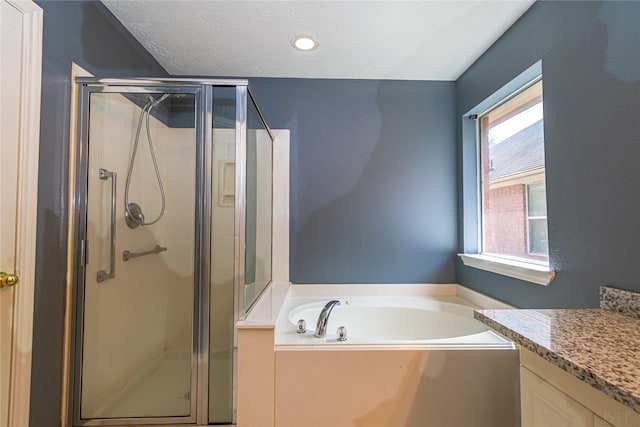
(203, 92)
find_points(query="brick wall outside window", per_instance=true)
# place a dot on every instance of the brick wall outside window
(507, 221)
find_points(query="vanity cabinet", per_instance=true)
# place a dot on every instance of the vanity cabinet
(549, 396)
(544, 405)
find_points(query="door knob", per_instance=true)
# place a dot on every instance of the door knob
(7, 280)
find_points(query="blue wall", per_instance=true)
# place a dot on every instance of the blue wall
(86, 33)
(591, 73)
(373, 178)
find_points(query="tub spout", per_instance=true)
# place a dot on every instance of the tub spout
(323, 319)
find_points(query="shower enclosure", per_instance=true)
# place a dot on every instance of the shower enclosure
(172, 231)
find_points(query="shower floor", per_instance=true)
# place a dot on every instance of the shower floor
(163, 389)
(160, 390)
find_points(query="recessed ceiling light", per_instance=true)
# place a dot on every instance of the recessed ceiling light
(304, 42)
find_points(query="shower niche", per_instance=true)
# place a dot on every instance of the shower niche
(172, 234)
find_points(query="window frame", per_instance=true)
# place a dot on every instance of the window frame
(471, 197)
(534, 217)
(497, 114)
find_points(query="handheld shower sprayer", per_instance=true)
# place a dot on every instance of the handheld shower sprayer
(133, 212)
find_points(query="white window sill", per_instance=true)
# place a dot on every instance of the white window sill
(534, 273)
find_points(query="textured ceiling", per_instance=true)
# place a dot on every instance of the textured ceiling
(404, 40)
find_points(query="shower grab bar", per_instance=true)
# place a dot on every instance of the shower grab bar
(127, 255)
(103, 275)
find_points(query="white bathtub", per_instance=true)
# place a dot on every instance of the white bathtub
(426, 320)
(411, 359)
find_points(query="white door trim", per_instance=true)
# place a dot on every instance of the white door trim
(30, 87)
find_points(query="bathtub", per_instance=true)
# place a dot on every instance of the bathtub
(414, 358)
(427, 320)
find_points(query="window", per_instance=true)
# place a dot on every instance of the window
(537, 219)
(503, 182)
(512, 179)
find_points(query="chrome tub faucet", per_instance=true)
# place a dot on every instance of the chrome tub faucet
(323, 319)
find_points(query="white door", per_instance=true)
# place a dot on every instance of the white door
(20, 79)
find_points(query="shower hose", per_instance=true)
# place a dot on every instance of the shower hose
(144, 116)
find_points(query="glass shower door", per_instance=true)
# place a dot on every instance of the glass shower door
(136, 361)
(222, 274)
(257, 273)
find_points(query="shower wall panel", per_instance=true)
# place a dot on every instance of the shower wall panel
(222, 273)
(222, 242)
(179, 223)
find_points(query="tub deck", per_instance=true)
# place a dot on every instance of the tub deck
(472, 334)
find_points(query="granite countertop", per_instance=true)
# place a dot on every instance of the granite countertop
(598, 346)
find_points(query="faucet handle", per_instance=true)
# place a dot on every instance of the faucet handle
(302, 326)
(342, 333)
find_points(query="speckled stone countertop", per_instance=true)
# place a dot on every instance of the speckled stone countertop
(598, 346)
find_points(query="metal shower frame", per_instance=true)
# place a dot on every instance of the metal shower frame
(202, 89)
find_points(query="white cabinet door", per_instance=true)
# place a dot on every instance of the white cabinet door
(543, 405)
(21, 51)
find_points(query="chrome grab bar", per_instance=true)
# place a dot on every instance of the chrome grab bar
(103, 275)
(127, 255)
